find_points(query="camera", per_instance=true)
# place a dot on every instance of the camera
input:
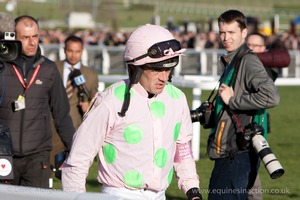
(6, 154)
(59, 160)
(10, 49)
(254, 133)
(270, 161)
(204, 114)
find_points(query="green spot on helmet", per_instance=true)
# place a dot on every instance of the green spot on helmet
(158, 109)
(109, 152)
(133, 179)
(133, 134)
(160, 157)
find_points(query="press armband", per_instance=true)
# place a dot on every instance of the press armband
(183, 152)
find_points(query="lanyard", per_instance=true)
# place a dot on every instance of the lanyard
(22, 80)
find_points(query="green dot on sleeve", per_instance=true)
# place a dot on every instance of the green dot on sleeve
(176, 131)
(120, 91)
(170, 176)
(174, 92)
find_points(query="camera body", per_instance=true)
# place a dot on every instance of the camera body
(254, 133)
(59, 160)
(243, 139)
(204, 114)
(10, 49)
(9, 36)
(6, 153)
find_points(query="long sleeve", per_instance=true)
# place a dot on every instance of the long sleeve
(87, 141)
(255, 89)
(60, 109)
(184, 163)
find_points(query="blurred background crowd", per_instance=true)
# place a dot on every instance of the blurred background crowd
(188, 39)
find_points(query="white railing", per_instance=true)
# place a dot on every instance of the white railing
(109, 60)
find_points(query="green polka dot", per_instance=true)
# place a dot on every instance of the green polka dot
(157, 109)
(174, 92)
(160, 158)
(176, 131)
(133, 134)
(109, 153)
(133, 179)
(170, 176)
(120, 92)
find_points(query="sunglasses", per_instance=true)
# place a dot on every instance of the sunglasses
(159, 50)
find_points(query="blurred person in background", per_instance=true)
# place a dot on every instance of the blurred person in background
(79, 104)
(79, 95)
(257, 43)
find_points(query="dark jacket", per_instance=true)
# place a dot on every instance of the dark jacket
(30, 127)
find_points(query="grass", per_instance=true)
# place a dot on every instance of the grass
(113, 14)
(283, 139)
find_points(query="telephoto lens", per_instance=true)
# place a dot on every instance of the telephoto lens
(270, 161)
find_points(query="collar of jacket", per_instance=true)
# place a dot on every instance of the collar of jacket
(226, 59)
(37, 59)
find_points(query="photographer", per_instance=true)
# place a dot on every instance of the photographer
(32, 91)
(6, 150)
(244, 93)
(257, 43)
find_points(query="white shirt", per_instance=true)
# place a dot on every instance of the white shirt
(67, 70)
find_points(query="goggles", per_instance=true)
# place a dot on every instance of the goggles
(159, 50)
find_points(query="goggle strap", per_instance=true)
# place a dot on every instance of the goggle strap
(138, 58)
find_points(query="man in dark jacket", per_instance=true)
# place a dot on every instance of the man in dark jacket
(32, 90)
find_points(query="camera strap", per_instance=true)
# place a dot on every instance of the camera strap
(235, 120)
(233, 68)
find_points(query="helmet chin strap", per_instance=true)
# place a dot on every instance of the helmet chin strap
(170, 76)
(134, 76)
